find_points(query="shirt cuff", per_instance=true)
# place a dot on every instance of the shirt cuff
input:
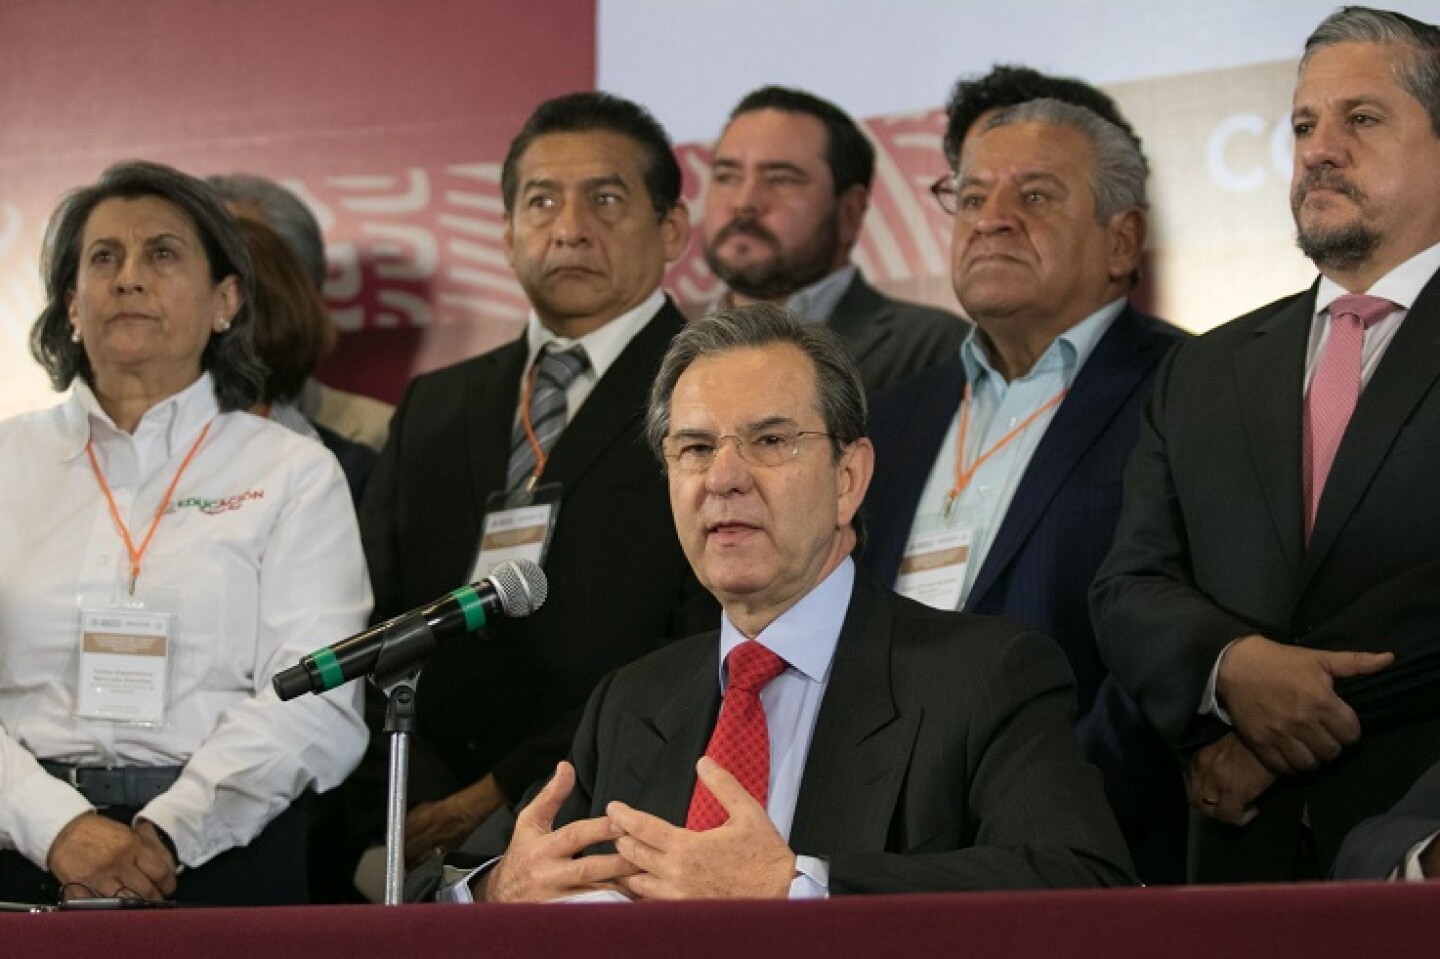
(179, 812)
(1410, 867)
(813, 879)
(1209, 702)
(455, 882)
(48, 806)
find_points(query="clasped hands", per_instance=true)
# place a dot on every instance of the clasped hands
(102, 857)
(744, 858)
(1287, 719)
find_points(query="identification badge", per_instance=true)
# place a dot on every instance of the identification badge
(517, 525)
(933, 570)
(124, 664)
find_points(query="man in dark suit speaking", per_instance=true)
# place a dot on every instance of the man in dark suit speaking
(1273, 595)
(535, 449)
(865, 743)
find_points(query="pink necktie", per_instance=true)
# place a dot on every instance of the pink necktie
(741, 740)
(1334, 391)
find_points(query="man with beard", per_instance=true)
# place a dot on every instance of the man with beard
(788, 192)
(1273, 595)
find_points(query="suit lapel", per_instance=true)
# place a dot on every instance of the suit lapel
(894, 498)
(492, 394)
(1270, 385)
(1406, 374)
(861, 318)
(861, 746)
(1116, 368)
(616, 403)
(661, 748)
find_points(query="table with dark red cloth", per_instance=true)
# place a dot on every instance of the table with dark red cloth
(1374, 919)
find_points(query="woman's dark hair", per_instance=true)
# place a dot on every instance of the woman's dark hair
(229, 357)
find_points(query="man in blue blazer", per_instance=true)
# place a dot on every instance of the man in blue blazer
(1044, 401)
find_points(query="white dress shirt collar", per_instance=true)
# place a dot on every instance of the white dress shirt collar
(1400, 286)
(604, 345)
(173, 423)
(805, 635)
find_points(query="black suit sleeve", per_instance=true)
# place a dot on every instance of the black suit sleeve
(1401, 615)
(1157, 631)
(378, 520)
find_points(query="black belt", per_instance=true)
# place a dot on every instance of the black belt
(131, 786)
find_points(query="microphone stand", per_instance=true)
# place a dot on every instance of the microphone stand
(408, 644)
(399, 724)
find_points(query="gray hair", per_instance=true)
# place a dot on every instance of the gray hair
(1117, 177)
(841, 396)
(283, 212)
(1418, 73)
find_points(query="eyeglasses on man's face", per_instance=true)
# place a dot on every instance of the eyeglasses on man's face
(945, 194)
(692, 451)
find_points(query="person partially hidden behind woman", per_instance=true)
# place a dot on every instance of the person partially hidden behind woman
(292, 333)
(165, 553)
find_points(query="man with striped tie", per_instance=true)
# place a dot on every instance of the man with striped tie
(535, 449)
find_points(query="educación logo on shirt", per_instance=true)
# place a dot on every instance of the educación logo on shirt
(214, 507)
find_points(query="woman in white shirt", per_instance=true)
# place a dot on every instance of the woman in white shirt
(165, 554)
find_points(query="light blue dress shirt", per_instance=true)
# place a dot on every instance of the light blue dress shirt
(998, 406)
(804, 636)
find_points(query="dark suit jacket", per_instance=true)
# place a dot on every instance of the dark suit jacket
(357, 461)
(1210, 548)
(892, 339)
(1378, 846)
(507, 702)
(941, 758)
(1048, 547)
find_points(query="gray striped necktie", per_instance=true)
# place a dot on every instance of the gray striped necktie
(555, 370)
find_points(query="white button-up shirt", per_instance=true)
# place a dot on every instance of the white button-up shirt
(261, 548)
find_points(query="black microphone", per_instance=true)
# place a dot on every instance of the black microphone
(515, 588)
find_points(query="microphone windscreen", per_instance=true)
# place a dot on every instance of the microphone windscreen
(521, 586)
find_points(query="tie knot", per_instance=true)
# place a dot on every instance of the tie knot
(560, 367)
(752, 666)
(1366, 310)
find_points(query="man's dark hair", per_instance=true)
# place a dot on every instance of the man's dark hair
(1007, 86)
(594, 112)
(1417, 70)
(848, 151)
(229, 357)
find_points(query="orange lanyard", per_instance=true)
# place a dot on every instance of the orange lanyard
(964, 474)
(136, 555)
(540, 455)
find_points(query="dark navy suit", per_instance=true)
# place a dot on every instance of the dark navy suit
(1053, 538)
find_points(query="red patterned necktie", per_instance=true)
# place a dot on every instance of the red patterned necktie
(741, 740)
(1334, 391)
